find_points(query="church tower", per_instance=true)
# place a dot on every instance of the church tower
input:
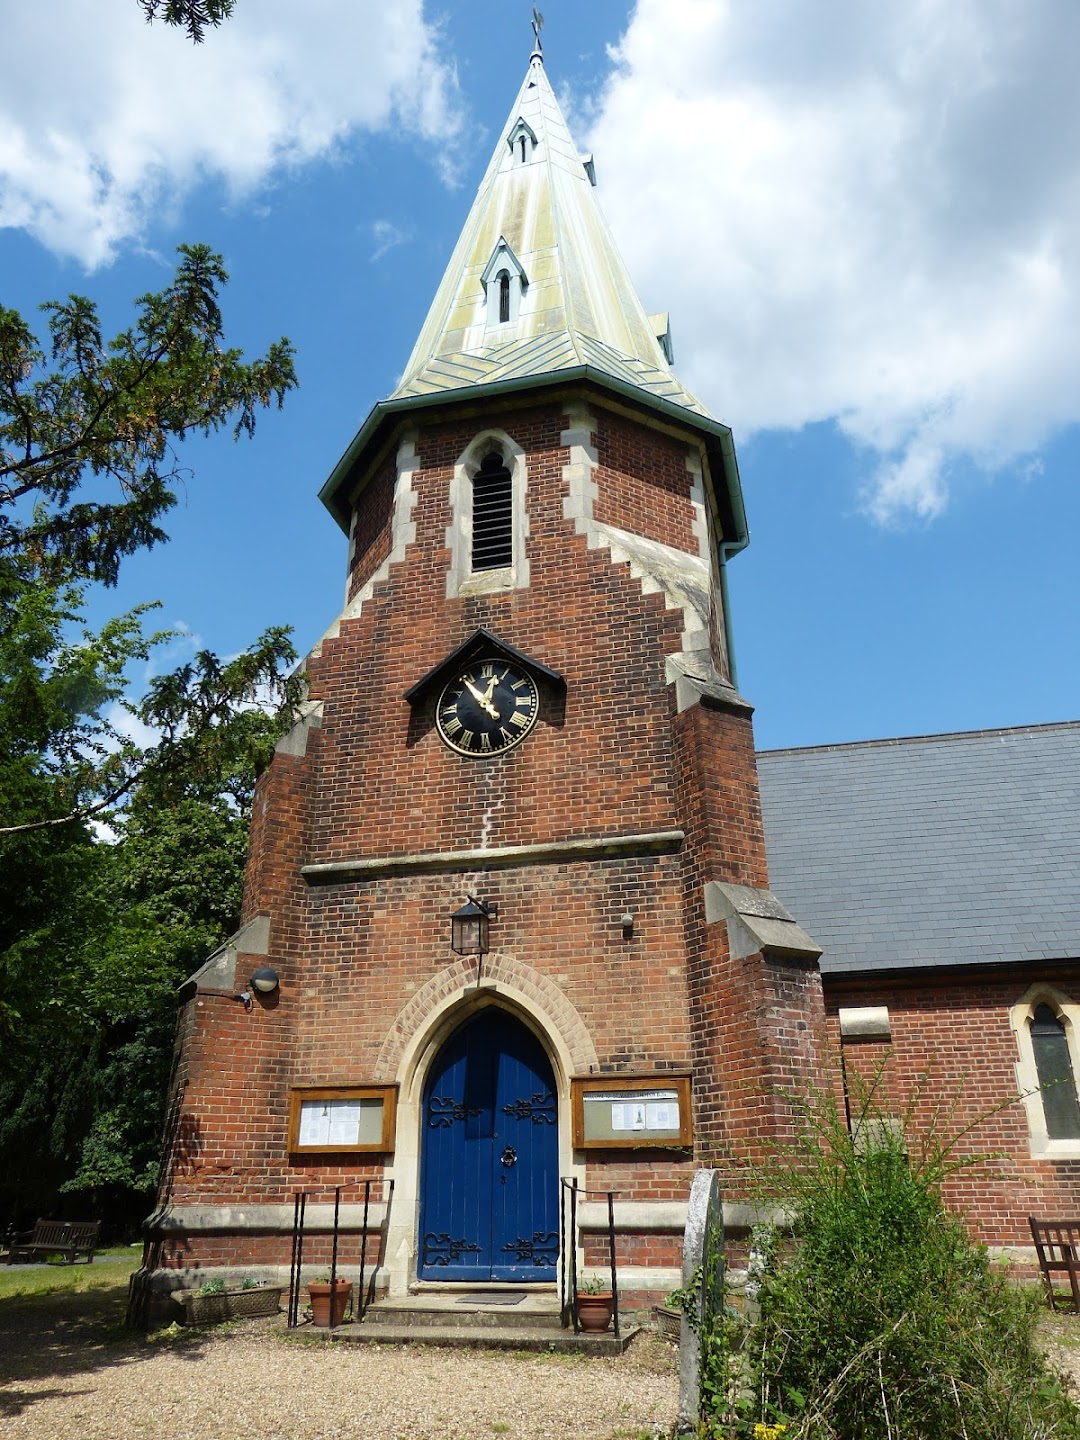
(526, 711)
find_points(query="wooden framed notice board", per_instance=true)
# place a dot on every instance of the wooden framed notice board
(629, 1111)
(342, 1119)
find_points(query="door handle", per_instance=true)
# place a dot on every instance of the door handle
(509, 1156)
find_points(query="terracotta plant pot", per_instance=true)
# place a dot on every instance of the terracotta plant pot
(594, 1311)
(319, 1294)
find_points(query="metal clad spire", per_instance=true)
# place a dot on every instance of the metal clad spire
(572, 304)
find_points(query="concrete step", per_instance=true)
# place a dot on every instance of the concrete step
(535, 1338)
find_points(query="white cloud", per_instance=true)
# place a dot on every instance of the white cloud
(182, 646)
(104, 119)
(128, 727)
(860, 213)
(386, 236)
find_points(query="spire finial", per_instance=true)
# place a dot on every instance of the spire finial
(537, 26)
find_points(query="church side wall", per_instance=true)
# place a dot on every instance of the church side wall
(952, 1047)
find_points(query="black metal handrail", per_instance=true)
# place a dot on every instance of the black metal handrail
(296, 1266)
(569, 1190)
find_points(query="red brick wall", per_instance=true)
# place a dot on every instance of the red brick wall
(372, 532)
(645, 493)
(953, 1053)
(756, 1024)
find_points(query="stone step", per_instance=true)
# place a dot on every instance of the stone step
(532, 1338)
(467, 1311)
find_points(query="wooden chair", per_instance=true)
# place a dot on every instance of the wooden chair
(1057, 1244)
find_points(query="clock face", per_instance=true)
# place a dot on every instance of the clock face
(488, 708)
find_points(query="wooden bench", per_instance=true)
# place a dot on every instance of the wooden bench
(1057, 1244)
(69, 1238)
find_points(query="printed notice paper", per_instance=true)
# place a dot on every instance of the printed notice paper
(330, 1122)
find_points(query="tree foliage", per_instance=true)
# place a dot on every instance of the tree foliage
(97, 931)
(193, 15)
(88, 460)
(84, 410)
(96, 936)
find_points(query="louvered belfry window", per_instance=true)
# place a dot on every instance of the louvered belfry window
(1056, 1080)
(493, 516)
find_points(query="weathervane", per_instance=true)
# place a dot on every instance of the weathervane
(537, 25)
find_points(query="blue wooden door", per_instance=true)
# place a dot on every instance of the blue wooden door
(489, 1157)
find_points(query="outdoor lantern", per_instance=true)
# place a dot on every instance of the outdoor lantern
(469, 927)
(264, 980)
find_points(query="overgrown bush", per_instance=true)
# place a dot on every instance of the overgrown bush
(881, 1320)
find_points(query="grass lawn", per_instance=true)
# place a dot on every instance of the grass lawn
(110, 1270)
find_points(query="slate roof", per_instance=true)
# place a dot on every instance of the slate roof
(930, 851)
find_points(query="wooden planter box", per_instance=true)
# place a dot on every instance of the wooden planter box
(229, 1304)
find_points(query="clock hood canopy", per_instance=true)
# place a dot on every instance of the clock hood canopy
(480, 643)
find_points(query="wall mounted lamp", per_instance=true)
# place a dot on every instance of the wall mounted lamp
(264, 980)
(470, 927)
(627, 923)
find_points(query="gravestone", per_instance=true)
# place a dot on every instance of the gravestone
(703, 1282)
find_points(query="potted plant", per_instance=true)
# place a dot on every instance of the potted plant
(594, 1306)
(208, 1305)
(319, 1293)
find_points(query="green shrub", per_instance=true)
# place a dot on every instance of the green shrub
(883, 1321)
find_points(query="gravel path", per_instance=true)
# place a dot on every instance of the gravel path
(74, 1375)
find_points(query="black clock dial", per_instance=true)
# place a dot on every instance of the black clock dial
(488, 708)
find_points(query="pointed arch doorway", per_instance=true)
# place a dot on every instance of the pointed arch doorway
(489, 1156)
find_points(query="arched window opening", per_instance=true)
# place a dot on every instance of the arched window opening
(504, 297)
(523, 149)
(493, 514)
(1057, 1084)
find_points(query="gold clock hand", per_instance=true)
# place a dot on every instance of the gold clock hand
(481, 700)
(488, 706)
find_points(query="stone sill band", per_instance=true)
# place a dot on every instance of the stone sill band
(657, 842)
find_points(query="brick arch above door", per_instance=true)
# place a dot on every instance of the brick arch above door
(520, 985)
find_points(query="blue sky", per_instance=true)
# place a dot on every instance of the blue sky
(864, 221)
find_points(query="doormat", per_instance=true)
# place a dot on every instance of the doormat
(501, 1297)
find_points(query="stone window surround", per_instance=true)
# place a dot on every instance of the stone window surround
(462, 579)
(1027, 1075)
